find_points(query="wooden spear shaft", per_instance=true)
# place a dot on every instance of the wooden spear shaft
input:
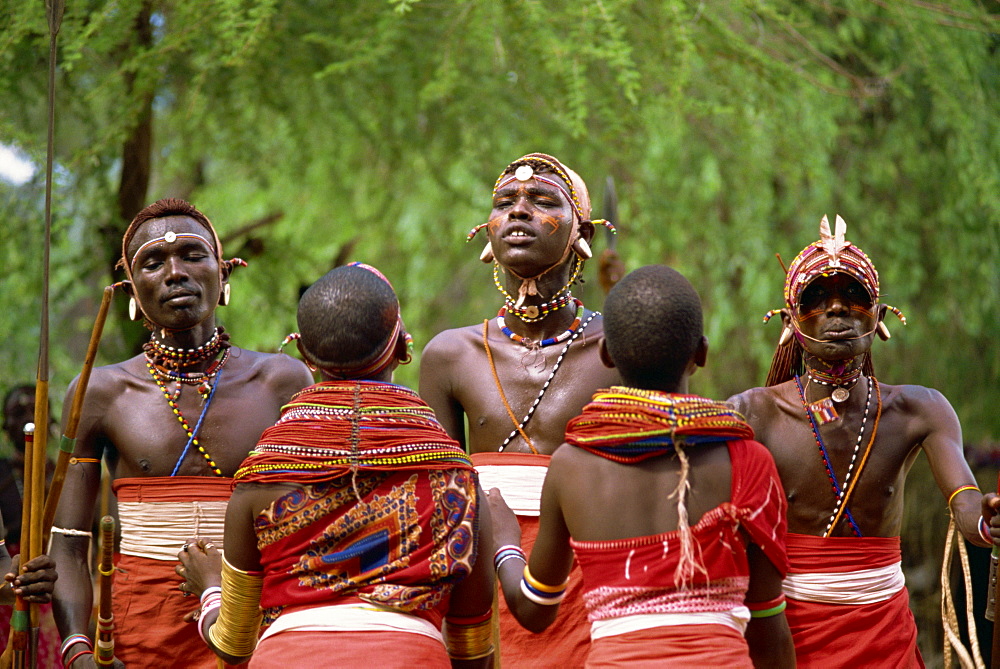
(68, 441)
(104, 649)
(995, 654)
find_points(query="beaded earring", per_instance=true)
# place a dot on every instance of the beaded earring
(133, 309)
(226, 293)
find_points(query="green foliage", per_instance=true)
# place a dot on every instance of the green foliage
(376, 129)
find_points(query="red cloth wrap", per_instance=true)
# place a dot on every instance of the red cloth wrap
(677, 646)
(882, 634)
(403, 547)
(147, 606)
(636, 576)
(566, 642)
(386, 650)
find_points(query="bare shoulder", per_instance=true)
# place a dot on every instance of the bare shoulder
(926, 405)
(755, 401)
(443, 345)
(284, 374)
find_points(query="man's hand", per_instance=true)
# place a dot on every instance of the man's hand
(991, 514)
(36, 583)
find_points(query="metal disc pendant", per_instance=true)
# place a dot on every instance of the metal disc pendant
(840, 394)
(531, 311)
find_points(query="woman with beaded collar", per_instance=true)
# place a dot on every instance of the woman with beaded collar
(173, 424)
(847, 600)
(516, 379)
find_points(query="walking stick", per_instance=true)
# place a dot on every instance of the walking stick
(104, 650)
(68, 441)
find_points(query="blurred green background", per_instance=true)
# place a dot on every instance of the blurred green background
(315, 133)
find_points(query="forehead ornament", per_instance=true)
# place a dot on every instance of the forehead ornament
(524, 173)
(170, 237)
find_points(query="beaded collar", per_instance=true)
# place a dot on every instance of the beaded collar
(531, 313)
(524, 341)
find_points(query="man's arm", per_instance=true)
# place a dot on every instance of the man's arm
(551, 558)
(943, 446)
(769, 637)
(73, 593)
(436, 387)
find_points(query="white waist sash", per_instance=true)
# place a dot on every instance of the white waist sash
(736, 619)
(158, 530)
(351, 618)
(521, 485)
(863, 586)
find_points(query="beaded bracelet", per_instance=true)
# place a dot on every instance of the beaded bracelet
(767, 609)
(505, 553)
(984, 530)
(211, 599)
(540, 593)
(962, 489)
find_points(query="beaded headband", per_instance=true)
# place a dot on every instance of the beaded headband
(170, 237)
(380, 361)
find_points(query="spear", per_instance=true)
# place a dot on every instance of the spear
(991, 607)
(610, 268)
(20, 620)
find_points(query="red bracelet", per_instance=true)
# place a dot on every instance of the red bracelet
(769, 604)
(76, 657)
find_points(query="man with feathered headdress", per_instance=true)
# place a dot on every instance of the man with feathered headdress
(843, 444)
(518, 378)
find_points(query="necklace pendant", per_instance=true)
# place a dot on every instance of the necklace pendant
(840, 395)
(531, 311)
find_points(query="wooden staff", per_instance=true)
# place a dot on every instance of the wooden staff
(104, 650)
(20, 620)
(995, 594)
(68, 441)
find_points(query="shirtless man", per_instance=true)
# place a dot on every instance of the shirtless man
(843, 444)
(516, 380)
(673, 578)
(173, 424)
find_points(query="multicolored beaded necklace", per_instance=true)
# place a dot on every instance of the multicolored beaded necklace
(842, 494)
(536, 312)
(842, 384)
(628, 425)
(165, 362)
(519, 429)
(192, 434)
(528, 343)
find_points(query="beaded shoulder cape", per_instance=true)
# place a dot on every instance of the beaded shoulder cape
(337, 427)
(629, 425)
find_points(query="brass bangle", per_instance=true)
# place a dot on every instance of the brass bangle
(469, 642)
(235, 631)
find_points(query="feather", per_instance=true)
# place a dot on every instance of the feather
(834, 243)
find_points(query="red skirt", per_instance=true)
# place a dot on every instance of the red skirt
(385, 650)
(695, 646)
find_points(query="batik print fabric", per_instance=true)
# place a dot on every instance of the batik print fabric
(636, 576)
(398, 540)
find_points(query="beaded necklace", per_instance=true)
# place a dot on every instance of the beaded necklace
(842, 385)
(535, 312)
(167, 361)
(519, 429)
(842, 493)
(192, 434)
(524, 341)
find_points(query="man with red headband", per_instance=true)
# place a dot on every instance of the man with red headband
(515, 380)
(843, 443)
(173, 425)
